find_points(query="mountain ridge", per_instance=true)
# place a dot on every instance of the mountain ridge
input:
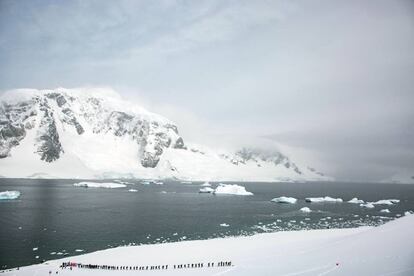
(93, 133)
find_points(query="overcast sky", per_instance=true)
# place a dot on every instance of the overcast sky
(334, 80)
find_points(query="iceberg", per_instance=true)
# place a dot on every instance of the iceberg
(206, 190)
(285, 199)
(108, 185)
(355, 200)
(6, 195)
(132, 190)
(230, 189)
(323, 199)
(224, 225)
(385, 210)
(305, 210)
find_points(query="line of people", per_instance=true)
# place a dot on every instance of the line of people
(71, 265)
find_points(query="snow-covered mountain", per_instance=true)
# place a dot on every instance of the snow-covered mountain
(93, 133)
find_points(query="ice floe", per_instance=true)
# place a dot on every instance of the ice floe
(305, 210)
(206, 190)
(230, 189)
(6, 195)
(368, 205)
(284, 199)
(109, 185)
(323, 199)
(386, 202)
(224, 225)
(355, 200)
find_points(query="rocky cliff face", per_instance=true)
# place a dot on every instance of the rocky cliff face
(274, 157)
(76, 112)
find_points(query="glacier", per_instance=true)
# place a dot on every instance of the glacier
(92, 133)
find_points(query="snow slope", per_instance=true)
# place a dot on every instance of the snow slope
(383, 250)
(93, 134)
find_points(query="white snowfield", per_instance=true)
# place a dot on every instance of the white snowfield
(108, 185)
(284, 199)
(368, 251)
(232, 189)
(323, 199)
(8, 195)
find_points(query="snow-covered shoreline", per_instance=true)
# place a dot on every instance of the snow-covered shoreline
(387, 249)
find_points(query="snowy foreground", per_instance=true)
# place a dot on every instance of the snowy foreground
(383, 250)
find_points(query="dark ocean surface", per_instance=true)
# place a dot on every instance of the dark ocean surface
(61, 220)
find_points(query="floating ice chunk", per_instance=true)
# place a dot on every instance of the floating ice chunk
(285, 199)
(6, 195)
(132, 190)
(206, 184)
(37, 257)
(407, 213)
(78, 250)
(35, 248)
(305, 210)
(224, 225)
(368, 205)
(206, 190)
(385, 211)
(109, 185)
(386, 202)
(232, 190)
(355, 200)
(323, 199)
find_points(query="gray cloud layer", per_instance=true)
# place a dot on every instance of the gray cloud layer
(333, 77)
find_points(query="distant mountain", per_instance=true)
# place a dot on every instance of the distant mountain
(93, 133)
(402, 177)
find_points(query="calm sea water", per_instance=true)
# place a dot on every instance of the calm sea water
(60, 219)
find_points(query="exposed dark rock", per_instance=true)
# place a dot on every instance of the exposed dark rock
(49, 146)
(71, 119)
(179, 144)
